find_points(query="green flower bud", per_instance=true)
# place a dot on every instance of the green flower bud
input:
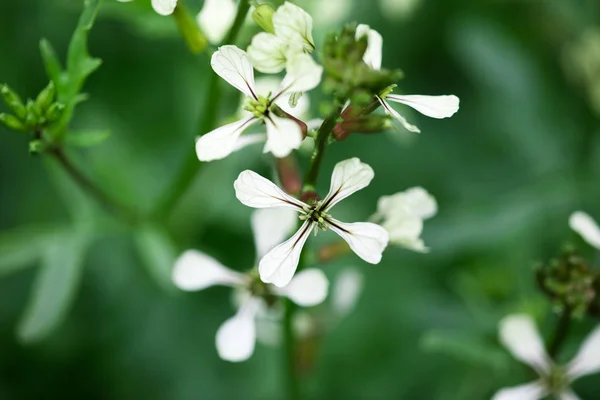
(263, 16)
(46, 97)
(13, 101)
(37, 146)
(54, 112)
(12, 123)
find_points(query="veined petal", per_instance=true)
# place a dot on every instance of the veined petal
(222, 141)
(255, 191)
(346, 291)
(587, 360)
(568, 395)
(303, 74)
(216, 18)
(373, 54)
(164, 7)
(195, 270)
(366, 239)
(283, 135)
(520, 336)
(431, 106)
(348, 176)
(270, 227)
(294, 26)
(237, 336)
(394, 114)
(307, 288)
(585, 225)
(267, 53)
(231, 63)
(530, 391)
(278, 265)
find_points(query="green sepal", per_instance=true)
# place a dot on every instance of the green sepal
(12, 123)
(45, 97)
(13, 101)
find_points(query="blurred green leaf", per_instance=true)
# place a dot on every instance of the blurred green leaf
(22, 247)
(51, 62)
(86, 138)
(157, 252)
(55, 286)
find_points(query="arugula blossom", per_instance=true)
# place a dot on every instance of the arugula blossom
(366, 239)
(236, 337)
(585, 226)
(272, 52)
(431, 106)
(284, 134)
(520, 336)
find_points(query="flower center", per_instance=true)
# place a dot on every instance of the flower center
(557, 381)
(316, 215)
(260, 107)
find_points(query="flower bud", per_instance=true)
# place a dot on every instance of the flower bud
(37, 146)
(46, 97)
(54, 112)
(12, 123)
(263, 16)
(363, 124)
(13, 101)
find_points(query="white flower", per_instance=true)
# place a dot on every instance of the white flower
(236, 337)
(431, 106)
(346, 291)
(283, 134)
(520, 336)
(215, 18)
(367, 240)
(402, 215)
(271, 52)
(164, 7)
(585, 225)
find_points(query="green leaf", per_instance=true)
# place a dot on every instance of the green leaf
(86, 138)
(157, 252)
(55, 286)
(53, 67)
(23, 247)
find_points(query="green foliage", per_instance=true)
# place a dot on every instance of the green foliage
(157, 252)
(86, 138)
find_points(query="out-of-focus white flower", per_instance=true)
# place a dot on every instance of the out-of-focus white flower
(585, 225)
(431, 106)
(520, 336)
(215, 18)
(398, 9)
(272, 52)
(367, 240)
(283, 134)
(346, 292)
(402, 215)
(236, 337)
(164, 7)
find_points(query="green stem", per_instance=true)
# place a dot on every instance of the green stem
(291, 375)
(560, 333)
(191, 166)
(110, 204)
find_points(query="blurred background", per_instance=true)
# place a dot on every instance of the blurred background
(522, 153)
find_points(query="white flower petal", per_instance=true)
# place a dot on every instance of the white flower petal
(520, 336)
(237, 336)
(270, 227)
(587, 360)
(294, 25)
(195, 270)
(216, 18)
(255, 191)
(394, 114)
(283, 136)
(307, 288)
(248, 140)
(164, 7)
(431, 106)
(267, 53)
(348, 176)
(373, 54)
(415, 201)
(278, 265)
(568, 395)
(231, 63)
(303, 74)
(530, 391)
(346, 291)
(223, 141)
(585, 225)
(406, 232)
(366, 239)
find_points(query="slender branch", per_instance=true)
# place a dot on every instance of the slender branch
(191, 166)
(560, 333)
(110, 204)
